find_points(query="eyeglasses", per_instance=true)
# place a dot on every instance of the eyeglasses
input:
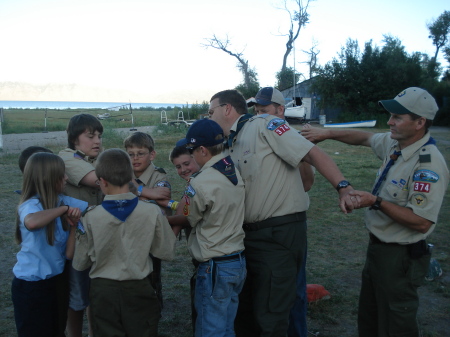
(211, 111)
(138, 155)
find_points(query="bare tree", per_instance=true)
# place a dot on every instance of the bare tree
(298, 18)
(224, 45)
(312, 58)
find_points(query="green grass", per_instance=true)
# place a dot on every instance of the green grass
(336, 245)
(39, 120)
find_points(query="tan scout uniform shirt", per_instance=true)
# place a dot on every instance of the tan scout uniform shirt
(417, 180)
(216, 213)
(119, 250)
(77, 167)
(152, 176)
(267, 152)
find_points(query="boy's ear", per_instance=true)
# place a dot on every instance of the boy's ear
(152, 155)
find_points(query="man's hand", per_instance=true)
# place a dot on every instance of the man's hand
(366, 199)
(314, 135)
(347, 201)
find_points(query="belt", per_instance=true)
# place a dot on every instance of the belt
(226, 258)
(275, 221)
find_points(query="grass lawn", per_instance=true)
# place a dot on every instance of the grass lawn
(336, 246)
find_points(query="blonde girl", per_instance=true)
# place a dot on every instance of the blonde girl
(43, 219)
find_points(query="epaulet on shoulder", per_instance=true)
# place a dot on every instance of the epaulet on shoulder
(90, 208)
(160, 169)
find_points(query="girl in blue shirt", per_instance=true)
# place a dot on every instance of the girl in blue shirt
(43, 219)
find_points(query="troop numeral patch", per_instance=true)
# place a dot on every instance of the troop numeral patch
(282, 129)
(422, 187)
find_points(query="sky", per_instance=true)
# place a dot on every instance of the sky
(154, 48)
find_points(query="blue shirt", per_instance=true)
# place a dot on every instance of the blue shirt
(37, 259)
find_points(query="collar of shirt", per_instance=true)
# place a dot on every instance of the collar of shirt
(409, 151)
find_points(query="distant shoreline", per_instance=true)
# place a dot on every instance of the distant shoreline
(5, 104)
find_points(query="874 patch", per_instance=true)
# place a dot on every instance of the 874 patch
(282, 129)
(422, 187)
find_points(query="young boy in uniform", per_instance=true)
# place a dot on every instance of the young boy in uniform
(151, 183)
(215, 210)
(84, 138)
(115, 242)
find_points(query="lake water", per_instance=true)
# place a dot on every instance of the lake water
(80, 105)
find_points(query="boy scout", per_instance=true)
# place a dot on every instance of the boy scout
(115, 242)
(215, 210)
(84, 137)
(151, 183)
(402, 212)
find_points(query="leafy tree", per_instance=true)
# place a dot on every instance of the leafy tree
(440, 31)
(287, 78)
(355, 80)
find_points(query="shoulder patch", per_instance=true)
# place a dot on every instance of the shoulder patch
(163, 183)
(160, 169)
(275, 123)
(80, 228)
(190, 192)
(90, 208)
(426, 175)
(419, 199)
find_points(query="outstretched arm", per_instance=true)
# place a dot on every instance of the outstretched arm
(351, 137)
(328, 168)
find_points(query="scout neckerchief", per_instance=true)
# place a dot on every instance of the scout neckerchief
(120, 209)
(241, 123)
(391, 162)
(227, 168)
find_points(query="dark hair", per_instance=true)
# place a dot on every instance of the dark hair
(25, 154)
(234, 98)
(78, 124)
(139, 139)
(177, 152)
(428, 122)
(114, 166)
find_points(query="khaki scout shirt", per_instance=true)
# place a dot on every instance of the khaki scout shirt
(153, 177)
(216, 213)
(77, 166)
(267, 152)
(119, 250)
(417, 180)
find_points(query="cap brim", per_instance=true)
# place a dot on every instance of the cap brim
(394, 107)
(251, 102)
(181, 143)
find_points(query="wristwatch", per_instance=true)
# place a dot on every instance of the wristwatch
(377, 204)
(342, 184)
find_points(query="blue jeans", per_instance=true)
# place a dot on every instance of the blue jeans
(217, 296)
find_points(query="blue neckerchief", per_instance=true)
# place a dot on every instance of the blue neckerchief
(241, 123)
(120, 209)
(227, 168)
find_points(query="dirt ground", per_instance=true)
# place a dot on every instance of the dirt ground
(15, 143)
